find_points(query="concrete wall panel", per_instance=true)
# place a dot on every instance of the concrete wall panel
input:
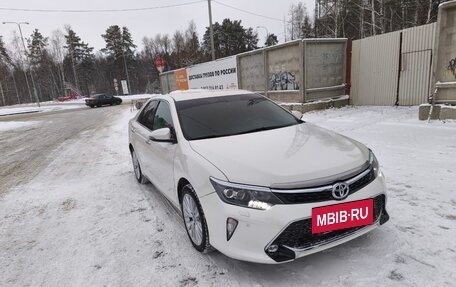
(251, 71)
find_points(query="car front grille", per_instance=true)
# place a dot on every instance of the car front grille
(325, 195)
(298, 235)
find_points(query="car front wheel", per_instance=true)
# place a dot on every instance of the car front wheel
(194, 220)
(137, 168)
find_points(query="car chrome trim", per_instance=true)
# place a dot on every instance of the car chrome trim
(337, 238)
(321, 181)
(303, 190)
(323, 188)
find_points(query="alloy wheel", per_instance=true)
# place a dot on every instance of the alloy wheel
(192, 219)
(136, 166)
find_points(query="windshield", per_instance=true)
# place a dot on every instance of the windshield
(230, 115)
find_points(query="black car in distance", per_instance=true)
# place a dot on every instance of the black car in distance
(101, 100)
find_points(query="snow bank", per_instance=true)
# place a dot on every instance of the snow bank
(15, 125)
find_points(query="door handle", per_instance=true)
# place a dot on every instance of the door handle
(148, 142)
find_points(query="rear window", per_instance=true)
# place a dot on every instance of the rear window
(230, 115)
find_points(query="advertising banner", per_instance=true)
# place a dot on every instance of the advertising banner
(216, 75)
(181, 79)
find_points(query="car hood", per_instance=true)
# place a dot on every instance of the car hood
(290, 157)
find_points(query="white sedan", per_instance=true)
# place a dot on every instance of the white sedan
(253, 180)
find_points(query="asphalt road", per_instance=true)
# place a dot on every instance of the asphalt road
(26, 151)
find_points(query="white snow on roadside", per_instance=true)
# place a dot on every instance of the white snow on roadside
(56, 106)
(15, 125)
(85, 221)
(34, 109)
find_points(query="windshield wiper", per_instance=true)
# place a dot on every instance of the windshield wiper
(243, 132)
(208, 137)
(262, 129)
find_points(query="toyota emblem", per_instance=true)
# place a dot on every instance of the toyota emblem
(340, 190)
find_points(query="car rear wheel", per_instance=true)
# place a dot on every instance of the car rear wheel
(194, 220)
(137, 169)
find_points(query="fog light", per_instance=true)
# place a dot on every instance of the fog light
(231, 225)
(273, 248)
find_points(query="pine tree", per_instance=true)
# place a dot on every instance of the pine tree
(121, 52)
(80, 59)
(36, 46)
(118, 42)
(230, 38)
(271, 40)
(4, 57)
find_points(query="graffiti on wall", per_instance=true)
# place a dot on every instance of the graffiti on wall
(452, 66)
(283, 81)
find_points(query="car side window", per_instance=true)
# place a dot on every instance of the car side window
(162, 117)
(146, 118)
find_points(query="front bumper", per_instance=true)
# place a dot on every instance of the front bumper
(285, 225)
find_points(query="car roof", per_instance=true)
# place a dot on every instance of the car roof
(200, 94)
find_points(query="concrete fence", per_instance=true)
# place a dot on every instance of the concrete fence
(295, 72)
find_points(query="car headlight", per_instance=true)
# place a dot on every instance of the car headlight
(255, 197)
(373, 163)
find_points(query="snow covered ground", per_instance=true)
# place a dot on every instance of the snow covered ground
(85, 221)
(56, 106)
(10, 125)
(33, 108)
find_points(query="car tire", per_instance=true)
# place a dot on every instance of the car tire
(92, 106)
(137, 169)
(194, 220)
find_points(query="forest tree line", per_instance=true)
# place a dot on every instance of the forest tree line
(63, 58)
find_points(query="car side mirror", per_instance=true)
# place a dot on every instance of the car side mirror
(164, 135)
(297, 114)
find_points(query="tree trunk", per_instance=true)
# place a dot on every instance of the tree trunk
(15, 88)
(429, 14)
(373, 17)
(361, 28)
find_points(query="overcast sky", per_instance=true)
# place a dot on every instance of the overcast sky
(89, 26)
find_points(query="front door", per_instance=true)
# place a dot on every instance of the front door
(161, 155)
(141, 130)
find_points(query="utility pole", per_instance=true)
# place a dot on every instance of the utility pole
(126, 68)
(28, 60)
(211, 30)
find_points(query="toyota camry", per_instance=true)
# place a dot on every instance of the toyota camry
(252, 179)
